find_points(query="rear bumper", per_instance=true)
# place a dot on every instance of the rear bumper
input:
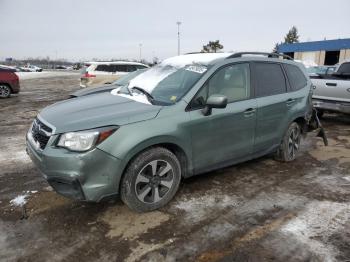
(89, 176)
(330, 105)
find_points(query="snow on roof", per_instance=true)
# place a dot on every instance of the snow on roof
(200, 58)
(115, 63)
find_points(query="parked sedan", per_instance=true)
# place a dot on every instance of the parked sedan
(123, 81)
(9, 82)
(32, 68)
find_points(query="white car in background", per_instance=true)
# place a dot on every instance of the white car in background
(31, 68)
(101, 73)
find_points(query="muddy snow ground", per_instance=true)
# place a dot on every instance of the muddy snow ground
(255, 211)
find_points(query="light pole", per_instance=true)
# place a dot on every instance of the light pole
(178, 37)
(140, 52)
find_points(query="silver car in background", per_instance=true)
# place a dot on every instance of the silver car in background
(332, 92)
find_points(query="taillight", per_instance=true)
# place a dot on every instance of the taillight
(89, 75)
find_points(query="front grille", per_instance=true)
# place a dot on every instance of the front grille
(41, 133)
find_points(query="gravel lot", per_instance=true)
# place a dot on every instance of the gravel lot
(255, 211)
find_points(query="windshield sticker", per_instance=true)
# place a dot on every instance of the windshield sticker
(173, 98)
(197, 69)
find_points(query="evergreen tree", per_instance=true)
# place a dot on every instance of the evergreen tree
(212, 47)
(292, 36)
(275, 49)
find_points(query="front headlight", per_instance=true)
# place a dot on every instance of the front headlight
(84, 140)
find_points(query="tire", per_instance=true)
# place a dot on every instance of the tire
(145, 176)
(290, 144)
(5, 91)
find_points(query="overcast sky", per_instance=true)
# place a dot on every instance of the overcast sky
(86, 29)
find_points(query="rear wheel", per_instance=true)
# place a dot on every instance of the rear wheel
(290, 144)
(5, 91)
(151, 180)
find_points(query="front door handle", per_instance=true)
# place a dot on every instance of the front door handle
(249, 112)
(290, 101)
(331, 84)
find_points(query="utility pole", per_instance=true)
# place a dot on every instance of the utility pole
(178, 37)
(140, 52)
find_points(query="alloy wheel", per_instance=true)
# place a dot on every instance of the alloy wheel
(154, 181)
(4, 91)
(293, 142)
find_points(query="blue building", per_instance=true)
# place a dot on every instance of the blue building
(326, 52)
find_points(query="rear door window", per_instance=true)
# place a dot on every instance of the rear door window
(121, 68)
(297, 79)
(103, 68)
(269, 79)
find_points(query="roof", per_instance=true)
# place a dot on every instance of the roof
(327, 45)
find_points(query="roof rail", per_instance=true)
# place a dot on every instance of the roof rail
(192, 53)
(273, 55)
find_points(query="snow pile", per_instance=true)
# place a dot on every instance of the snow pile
(21, 200)
(18, 156)
(44, 74)
(200, 208)
(315, 224)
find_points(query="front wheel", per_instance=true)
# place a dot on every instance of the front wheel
(5, 91)
(151, 180)
(290, 143)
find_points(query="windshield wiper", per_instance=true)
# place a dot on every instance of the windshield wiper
(125, 87)
(143, 91)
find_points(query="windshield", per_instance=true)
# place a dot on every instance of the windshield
(166, 84)
(320, 70)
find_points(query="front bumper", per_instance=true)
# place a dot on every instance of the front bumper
(330, 105)
(89, 176)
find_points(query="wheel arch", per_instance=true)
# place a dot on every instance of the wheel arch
(301, 121)
(178, 150)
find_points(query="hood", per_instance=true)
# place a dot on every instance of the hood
(97, 110)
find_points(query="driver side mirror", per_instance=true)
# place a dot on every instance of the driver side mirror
(214, 101)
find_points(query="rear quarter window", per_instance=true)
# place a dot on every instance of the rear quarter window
(269, 79)
(297, 79)
(140, 66)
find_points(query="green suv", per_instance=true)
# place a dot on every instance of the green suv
(188, 115)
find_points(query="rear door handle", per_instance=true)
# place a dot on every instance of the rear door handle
(249, 112)
(331, 84)
(290, 101)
